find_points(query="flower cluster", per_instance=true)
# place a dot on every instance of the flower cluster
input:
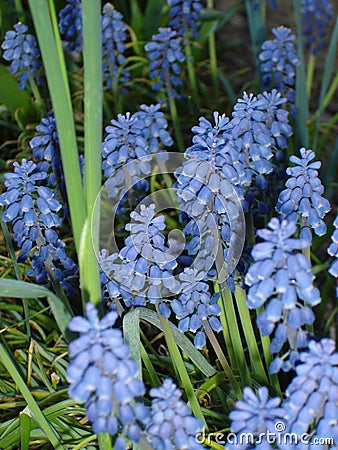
(32, 209)
(102, 374)
(171, 423)
(196, 305)
(258, 130)
(164, 52)
(302, 197)
(282, 280)
(21, 49)
(255, 414)
(114, 34)
(210, 191)
(333, 251)
(279, 61)
(146, 267)
(184, 15)
(312, 396)
(128, 147)
(46, 149)
(70, 25)
(316, 18)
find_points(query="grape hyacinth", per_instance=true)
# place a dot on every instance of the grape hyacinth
(312, 396)
(333, 251)
(46, 149)
(196, 305)
(128, 147)
(70, 25)
(165, 55)
(316, 18)
(171, 424)
(32, 209)
(102, 374)
(145, 269)
(114, 35)
(210, 191)
(253, 417)
(302, 197)
(21, 49)
(281, 279)
(258, 130)
(184, 16)
(279, 62)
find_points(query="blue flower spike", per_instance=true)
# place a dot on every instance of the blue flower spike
(21, 49)
(302, 199)
(104, 376)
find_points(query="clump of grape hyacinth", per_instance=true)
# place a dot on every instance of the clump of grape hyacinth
(281, 279)
(253, 417)
(302, 199)
(184, 15)
(196, 305)
(279, 62)
(33, 211)
(316, 18)
(70, 25)
(333, 251)
(164, 52)
(311, 404)
(21, 49)
(102, 374)
(171, 424)
(114, 35)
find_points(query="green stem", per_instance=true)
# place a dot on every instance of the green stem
(155, 381)
(191, 71)
(213, 55)
(225, 329)
(250, 337)
(267, 357)
(310, 74)
(11, 251)
(174, 115)
(230, 313)
(328, 97)
(92, 57)
(182, 371)
(222, 359)
(37, 95)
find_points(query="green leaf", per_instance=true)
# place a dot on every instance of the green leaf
(182, 341)
(25, 428)
(34, 409)
(14, 98)
(55, 68)
(132, 336)
(21, 289)
(152, 16)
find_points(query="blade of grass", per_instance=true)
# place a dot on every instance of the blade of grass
(302, 104)
(25, 429)
(60, 95)
(19, 289)
(255, 16)
(92, 57)
(32, 405)
(328, 70)
(132, 336)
